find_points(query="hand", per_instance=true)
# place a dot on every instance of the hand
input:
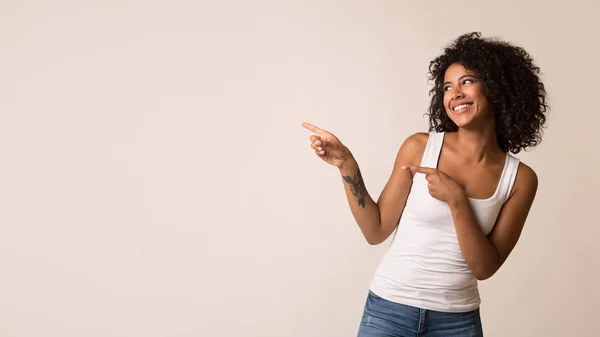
(440, 185)
(327, 146)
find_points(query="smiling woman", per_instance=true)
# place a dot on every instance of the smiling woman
(463, 90)
(504, 74)
(457, 199)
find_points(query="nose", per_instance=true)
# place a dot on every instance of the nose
(456, 93)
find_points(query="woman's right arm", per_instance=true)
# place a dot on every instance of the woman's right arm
(376, 220)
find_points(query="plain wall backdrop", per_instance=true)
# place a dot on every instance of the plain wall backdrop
(155, 179)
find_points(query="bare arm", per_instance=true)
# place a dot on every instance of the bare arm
(392, 199)
(376, 220)
(485, 255)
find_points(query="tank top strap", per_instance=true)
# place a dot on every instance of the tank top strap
(433, 149)
(508, 178)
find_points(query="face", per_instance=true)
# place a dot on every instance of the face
(464, 98)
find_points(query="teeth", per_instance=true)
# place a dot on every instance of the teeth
(462, 106)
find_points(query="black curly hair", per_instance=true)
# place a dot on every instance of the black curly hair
(512, 85)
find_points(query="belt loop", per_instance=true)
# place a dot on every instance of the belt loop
(422, 320)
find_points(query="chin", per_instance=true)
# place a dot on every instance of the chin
(466, 119)
(467, 123)
(461, 121)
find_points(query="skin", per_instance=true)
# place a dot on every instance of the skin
(470, 166)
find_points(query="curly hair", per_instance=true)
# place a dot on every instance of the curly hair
(511, 83)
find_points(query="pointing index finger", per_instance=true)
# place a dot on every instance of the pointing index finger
(419, 169)
(312, 128)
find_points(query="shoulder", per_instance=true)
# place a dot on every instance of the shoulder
(412, 149)
(416, 141)
(526, 181)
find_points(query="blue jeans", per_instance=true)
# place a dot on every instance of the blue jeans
(383, 318)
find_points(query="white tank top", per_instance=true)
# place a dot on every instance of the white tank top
(424, 266)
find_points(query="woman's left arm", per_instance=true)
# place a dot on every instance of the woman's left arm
(484, 254)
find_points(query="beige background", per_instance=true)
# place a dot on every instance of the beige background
(155, 180)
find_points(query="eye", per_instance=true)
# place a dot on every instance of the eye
(467, 81)
(446, 88)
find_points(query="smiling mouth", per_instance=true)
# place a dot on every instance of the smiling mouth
(461, 108)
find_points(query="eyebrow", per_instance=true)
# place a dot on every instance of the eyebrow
(460, 78)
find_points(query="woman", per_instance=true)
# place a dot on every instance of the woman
(456, 197)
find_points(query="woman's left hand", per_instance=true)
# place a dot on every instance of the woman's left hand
(440, 185)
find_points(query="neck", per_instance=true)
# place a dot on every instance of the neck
(478, 143)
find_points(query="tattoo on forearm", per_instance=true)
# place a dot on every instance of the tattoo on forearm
(357, 186)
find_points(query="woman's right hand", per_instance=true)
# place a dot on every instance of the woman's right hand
(328, 147)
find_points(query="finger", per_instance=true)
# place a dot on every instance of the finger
(320, 153)
(316, 140)
(419, 169)
(313, 128)
(316, 146)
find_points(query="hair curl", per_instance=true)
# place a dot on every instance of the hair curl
(511, 82)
